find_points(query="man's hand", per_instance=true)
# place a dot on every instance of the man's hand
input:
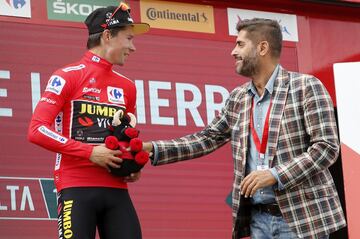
(133, 177)
(105, 157)
(256, 180)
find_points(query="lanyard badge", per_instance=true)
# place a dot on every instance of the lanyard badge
(260, 146)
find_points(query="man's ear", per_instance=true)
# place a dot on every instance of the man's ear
(106, 35)
(263, 48)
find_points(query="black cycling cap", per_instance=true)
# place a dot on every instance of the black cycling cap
(112, 17)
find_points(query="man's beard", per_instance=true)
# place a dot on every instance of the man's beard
(250, 65)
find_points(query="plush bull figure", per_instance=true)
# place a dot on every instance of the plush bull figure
(124, 137)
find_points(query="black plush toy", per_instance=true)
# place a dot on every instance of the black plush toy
(125, 135)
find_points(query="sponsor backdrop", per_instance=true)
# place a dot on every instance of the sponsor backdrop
(15, 8)
(178, 16)
(183, 72)
(182, 83)
(75, 10)
(287, 22)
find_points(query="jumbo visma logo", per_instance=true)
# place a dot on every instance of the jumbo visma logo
(91, 112)
(74, 10)
(98, 110)
(64, 221)
(90, 121)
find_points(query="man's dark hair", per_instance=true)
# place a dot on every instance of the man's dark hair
(259, 29)
(94, 39)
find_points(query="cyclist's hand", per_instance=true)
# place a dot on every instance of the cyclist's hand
(105, 157)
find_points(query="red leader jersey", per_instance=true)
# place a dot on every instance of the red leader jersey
(81, 98)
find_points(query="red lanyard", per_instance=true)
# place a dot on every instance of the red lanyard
(260, 146)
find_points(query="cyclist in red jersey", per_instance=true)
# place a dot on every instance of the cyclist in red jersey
(81, 98)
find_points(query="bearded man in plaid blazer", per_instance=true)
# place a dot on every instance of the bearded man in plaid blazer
(283, 134)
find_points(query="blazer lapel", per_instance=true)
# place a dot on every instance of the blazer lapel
(244, 122)
(279, 96)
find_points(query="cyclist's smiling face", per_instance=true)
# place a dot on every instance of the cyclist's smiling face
(120, 46)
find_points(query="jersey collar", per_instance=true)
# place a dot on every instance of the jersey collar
(97, 60)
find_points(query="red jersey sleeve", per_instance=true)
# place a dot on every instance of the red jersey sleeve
(59, 89)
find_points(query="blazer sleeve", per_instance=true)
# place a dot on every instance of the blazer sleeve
(212, 137)
(320, 125)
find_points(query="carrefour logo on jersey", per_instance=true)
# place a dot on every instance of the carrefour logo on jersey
(55, 84)
(115, 95)
(75, 10)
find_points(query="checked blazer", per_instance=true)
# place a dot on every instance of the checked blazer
(302, 144)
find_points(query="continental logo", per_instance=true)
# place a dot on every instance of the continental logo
(178, 16)
(154, 14)
(98, 110)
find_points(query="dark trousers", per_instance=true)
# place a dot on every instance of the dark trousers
(81, 210)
